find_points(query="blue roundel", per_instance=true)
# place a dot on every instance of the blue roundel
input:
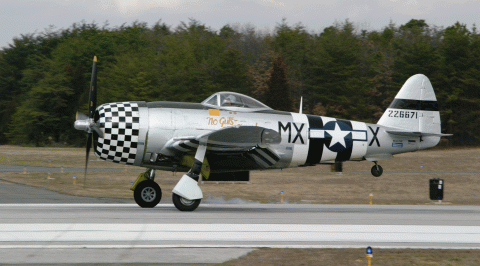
(338, 136)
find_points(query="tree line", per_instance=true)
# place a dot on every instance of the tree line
(341, 72)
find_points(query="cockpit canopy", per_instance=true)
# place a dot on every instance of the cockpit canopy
(233, 100)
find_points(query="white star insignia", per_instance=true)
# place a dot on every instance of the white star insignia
(338, 136)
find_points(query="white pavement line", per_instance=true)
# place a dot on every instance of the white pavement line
(362, 245)
(240, 233)
(77, 205)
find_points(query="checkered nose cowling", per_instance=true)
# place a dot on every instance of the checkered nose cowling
(121, 124)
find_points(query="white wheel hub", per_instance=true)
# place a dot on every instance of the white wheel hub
(149, 194)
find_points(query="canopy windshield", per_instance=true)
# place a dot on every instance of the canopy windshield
(226, 99)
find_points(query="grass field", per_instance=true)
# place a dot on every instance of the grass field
(356, 257)
(405, 181)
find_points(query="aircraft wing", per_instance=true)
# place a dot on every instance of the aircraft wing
(250, 141)
(416, 134)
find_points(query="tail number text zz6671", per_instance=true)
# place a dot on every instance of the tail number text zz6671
(403, 114)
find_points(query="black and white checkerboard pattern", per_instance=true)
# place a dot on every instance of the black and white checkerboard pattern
(121, 124)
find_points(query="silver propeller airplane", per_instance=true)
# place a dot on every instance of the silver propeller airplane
(233, 133)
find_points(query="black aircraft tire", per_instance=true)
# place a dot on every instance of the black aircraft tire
(183, 204)
(377, 170)
(147, 194)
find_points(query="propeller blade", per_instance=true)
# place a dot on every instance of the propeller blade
(89, 145)
(92, 104)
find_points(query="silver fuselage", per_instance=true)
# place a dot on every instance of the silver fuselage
(305, 139)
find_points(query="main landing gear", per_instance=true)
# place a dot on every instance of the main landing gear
(186, 195)
(377, 170)
(147, 193)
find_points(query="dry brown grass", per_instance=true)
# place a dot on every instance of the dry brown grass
(55, 157)
(405, 180)
(354, 257)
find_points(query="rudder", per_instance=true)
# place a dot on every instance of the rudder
(414, 109)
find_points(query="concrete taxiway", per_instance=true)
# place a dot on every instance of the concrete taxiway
(94, 232)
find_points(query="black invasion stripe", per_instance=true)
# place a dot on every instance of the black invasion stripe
(347, 153)
(414, 105)
(271, 154)
(315, 148)
(185, 146)
(254, 154)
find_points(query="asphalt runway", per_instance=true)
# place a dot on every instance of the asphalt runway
(19, 169)
(107, 232)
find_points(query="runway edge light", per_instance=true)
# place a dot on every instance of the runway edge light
(369, 255)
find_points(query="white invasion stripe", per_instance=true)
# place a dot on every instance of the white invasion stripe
(240, 232)
(317, 133)
(359, 148)
(300, 151)
(359, 135)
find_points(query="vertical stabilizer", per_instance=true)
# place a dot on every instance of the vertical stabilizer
(414, 109)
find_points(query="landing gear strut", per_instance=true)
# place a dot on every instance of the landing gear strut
(186, 195)
(377, 170)
(147, 193)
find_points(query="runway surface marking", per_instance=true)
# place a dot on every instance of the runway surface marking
(239, 232)
(78, 205)
(251, 246)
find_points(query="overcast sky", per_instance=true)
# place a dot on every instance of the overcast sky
(29, 16)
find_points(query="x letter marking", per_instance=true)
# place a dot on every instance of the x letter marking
(374, 136)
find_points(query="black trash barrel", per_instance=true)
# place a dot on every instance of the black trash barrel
(436, 189)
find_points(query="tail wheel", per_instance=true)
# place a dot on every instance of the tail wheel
(147, 194)
(184, 204)
(377, 170)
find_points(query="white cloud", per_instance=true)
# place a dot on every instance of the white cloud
(274, 3)
(135, 7)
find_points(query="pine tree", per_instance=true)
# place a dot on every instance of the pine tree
(278, 94)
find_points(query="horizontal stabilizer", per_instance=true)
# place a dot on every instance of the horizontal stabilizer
(417, 134)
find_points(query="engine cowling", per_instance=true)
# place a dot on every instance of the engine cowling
(120, 123)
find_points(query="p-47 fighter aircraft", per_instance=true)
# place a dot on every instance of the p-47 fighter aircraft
(230, 132)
